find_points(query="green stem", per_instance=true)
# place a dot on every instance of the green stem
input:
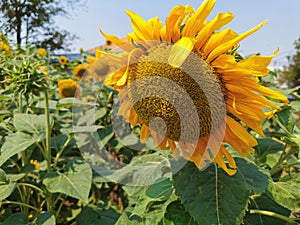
(20, 103)
(272, 214)
(284, 155)
(32, 186)
(48, 157)
(61, 150)
(48, 132)
(20, 204)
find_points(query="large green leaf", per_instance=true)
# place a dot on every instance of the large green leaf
(94, 215)
(212, 196)
(34, 124)
(255, 179)
(125, 218)
(6, 186)
(265, 147)
(177, 215)
(265, 202)
(287, 192)
(44, 218)
(76, 181)
(15, 143)
(16, 218)
(160, 190)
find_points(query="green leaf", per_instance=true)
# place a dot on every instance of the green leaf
(15, 143)
(6, 186)
(286, 120)
(295, 106)
(86, 129)
(265, 202)
(75, 181)
(91, 116)
(44, 218)
(16, 219)
(287, 193)
(254, 178)
(177, 215)
(160, 190)
(212, 196)
(125, 218)
(34, 124)
(94, 215)
(265, 147)
(52, 104)
(72, 102)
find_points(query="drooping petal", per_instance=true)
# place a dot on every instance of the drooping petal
(226, 46)
(219, 21)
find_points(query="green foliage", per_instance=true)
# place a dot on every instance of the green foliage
(76, 180)
(69, 161)
(224, 199)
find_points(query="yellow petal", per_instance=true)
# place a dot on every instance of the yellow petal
(226, 46)
(219, 21)
(180, 51)
(217, 39)
(117, 41)
(195, 23)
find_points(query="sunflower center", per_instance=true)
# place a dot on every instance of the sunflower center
(189, 99)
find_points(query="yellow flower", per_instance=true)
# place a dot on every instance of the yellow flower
(68, 88)
(62, 60)
(80, 70)
(4, 47)
(184, 85)
(35, 163)
(43, 69)
(42, 52)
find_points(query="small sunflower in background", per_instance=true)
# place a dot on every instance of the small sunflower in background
(108, 42)
(68, 88)
(194, 57)
(98, 66)
(41, 52)
(35, 163)
(62, 60)
(80, 70)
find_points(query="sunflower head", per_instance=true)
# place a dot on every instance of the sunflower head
(80, 70)
(62, 60)
(41, 52)
(68, 88)
(186, 85)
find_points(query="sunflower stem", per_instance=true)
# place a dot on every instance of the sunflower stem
(48, 147)
(272, 214)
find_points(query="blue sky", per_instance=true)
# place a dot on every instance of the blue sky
(282, 30)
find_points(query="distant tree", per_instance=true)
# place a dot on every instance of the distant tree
(291, 73)
(32, 21)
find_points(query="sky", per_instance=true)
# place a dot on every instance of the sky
(281, 31)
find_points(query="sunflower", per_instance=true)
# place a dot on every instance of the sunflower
(62, 60)
(41, 52)
(186, 85)
(35, 163)
(80, 70)
(68, 88)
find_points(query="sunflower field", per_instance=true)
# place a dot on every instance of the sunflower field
(171, 126)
